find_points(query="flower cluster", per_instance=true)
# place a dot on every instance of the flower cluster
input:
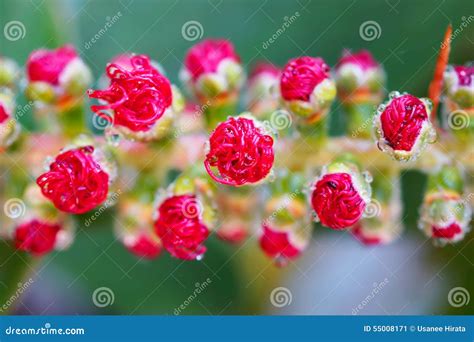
(183, 176)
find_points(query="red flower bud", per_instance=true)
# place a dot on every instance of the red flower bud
(450, 232)
(212, 70)
(364, 236)
(206, 56)
(180, 228)
(264, 69)
(363, 59)
(143, 245)
(241, 152)
(338, 202)
(359, 77)
(403, 126)
(4, 115)
(300, 76)
(35, 236)
(233, 232)
(279, 245)
(138, 95)
(459, 85)
(47, 65)
(75, 182)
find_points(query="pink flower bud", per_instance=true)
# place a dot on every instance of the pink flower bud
(56, 73)
(459, 84)
(340, 195)
(306, 87)
(403, 127)
(212, 68)
(137, 98)
(77, 180)
(281, 245)
(359, 74)
(36, 236)
(241, 151)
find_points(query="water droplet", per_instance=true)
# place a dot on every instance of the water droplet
(315, 217)
(200, 257)
(367, 176)
(113, 138)
(271, 176)
(393, 94)
(47, 162)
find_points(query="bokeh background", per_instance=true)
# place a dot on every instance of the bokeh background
(337, 273)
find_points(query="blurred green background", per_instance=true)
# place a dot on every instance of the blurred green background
(411, 31)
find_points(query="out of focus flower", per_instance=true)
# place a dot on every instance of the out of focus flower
(459, 84)
(445, 217)
(135, 228)
(380, 223)
(359, 77)
(9, 127)
(240, 150)
(55, 74)
(212, 70)
(261, 89)
(307, 89)
(9, 73)
(37, 237)
(403, 127)
(340, 195)
(78, 180)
